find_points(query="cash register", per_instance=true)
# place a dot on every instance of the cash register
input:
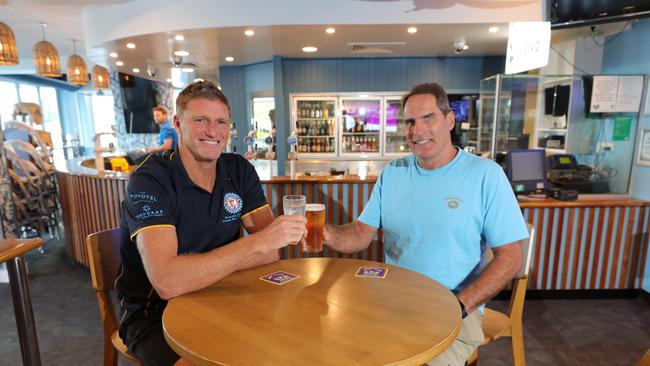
(564, 172)
(527, 174)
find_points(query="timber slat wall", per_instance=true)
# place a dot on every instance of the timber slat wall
(579, 245)
(589, 248)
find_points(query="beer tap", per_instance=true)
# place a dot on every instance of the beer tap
(231, 147)
(248, 140)
(99, 159)
(292, 140)
(270, 141)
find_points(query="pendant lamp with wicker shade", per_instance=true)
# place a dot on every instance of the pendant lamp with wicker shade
(77, 71)
(46, 58)
(100, 78)
(8, 51)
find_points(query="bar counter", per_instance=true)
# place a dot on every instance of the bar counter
(596, 242)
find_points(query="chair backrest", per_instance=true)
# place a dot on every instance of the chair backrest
(526, 251)
(104, 257)
(15, 130)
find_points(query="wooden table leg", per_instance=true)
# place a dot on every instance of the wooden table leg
(23, 310)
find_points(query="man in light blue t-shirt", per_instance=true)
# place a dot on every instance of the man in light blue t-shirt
(168, 138)
(439, 209)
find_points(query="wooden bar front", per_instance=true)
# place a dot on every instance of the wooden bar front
(597, 242)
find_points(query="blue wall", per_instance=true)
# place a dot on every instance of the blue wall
(626, 55)
(240, 83)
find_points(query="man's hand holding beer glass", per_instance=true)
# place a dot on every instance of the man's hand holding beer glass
(315, 214)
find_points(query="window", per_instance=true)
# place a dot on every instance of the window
(9, 98)
(103, 112)
(28, 93)
(50, 111)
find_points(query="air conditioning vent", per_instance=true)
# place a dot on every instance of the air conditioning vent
(374, 48)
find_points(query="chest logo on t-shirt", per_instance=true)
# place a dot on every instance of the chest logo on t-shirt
(453, 203)
(232, 203)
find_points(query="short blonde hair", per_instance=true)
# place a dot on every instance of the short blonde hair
(197, 90)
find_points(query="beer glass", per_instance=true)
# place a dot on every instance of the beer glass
(294, 204)
(315, 213)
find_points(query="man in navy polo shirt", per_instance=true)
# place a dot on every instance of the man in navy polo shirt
(181, 222)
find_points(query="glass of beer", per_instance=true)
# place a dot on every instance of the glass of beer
(315, 213)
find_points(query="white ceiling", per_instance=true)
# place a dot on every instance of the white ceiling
(214, 29)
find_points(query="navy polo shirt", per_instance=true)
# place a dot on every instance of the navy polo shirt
(160, 193)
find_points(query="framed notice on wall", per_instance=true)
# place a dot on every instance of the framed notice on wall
(644, 148)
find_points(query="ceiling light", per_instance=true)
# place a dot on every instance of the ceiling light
(169, 80)
(46, 57)
(219, 87)
(330, 30)
(130, 45)
(181, 53)
(135, 70)
(8, 50)
(77, 71)
(230, 59)
(100, 78)
(493, 29)
(179, 37)
(187, 69)
(465, 47)
(249, 32)
(113, 54)
(197, 80)
(119, 63)
(412, 30)
(309, 49)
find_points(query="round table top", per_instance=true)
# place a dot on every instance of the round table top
(12, 248)
(326, 316)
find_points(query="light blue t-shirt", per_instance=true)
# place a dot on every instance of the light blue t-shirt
(437, 222)
(168, 132)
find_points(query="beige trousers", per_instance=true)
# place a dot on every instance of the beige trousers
(469, 338)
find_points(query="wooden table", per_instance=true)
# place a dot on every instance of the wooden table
(327, 316)
(11, 252)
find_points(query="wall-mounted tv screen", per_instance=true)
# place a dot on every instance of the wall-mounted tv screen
(139, 99)
(556, 100)
(460, 109)
(578, 13)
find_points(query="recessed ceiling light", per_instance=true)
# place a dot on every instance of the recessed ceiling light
(130, 45)
(181, 53)
(493, 29)
(465, 47)
(249, 32)
(113, 54)
(135, 70)
(179, 37)
(309, 49)
(412, 30)
(187, 69)
(230, 58)
(219, 87)
(197, 80)
(169, 80)
(119, 63)
(330, 30)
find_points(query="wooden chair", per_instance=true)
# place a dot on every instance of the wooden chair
(645, 360)
(497, 324)
(104, 257)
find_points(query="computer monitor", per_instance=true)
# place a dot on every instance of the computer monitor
(527, 170)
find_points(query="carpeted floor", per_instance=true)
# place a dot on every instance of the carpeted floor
(557, 332)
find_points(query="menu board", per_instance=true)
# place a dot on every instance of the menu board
(612, 94)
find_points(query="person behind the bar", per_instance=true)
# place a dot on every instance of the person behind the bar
(181, 222)
(438, 209)
(168, 138)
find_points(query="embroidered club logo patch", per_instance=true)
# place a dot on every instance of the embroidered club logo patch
(453, 203)
(232, 203)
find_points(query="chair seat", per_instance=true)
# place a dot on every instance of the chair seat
(121, 347)
(495, 325)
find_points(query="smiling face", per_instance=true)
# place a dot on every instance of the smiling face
(428, 131)
(159, 117)
(204, 127)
